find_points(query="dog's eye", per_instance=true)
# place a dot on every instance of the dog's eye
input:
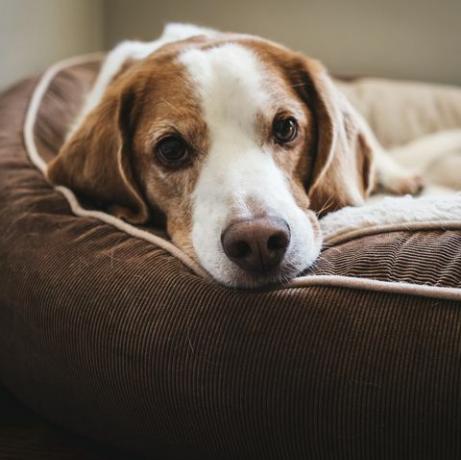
(172, 151)
(284, 130)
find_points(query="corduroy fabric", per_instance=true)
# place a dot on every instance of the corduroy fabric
(24, 436)
(115, 339)
(430, 257)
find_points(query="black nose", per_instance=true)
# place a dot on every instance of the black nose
(256, 245)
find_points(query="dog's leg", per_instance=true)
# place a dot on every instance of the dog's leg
(435, 156)
(394, 178)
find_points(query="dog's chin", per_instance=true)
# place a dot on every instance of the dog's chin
(247, 280)
(230, 275)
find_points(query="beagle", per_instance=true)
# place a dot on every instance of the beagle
(238, 142)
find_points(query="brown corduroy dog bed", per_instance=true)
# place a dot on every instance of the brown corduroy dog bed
(120, 339)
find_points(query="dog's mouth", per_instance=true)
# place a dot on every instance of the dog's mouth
(230, 273)
(276, 276)
(257, 252)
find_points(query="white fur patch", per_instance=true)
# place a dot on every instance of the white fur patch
(238, 170)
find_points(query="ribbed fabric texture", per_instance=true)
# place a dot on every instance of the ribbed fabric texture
(25, 436)
(114, 339)
(429, 257)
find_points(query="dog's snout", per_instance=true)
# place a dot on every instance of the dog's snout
(256, 245)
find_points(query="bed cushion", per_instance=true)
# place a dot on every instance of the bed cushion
(24, 435)
(117, 337)
(402, 111)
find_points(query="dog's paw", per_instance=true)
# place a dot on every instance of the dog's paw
(407, 185)
(402, 183)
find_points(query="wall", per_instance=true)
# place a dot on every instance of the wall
(416, 39)
(35, 33)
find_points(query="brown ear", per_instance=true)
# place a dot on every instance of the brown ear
(95, 162)
(342, 172)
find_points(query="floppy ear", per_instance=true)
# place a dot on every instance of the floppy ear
(342, 173)
(95, 162)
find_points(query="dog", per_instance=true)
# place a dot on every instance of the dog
(238, 142)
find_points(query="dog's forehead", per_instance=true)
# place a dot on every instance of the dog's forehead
(230, 81)
(229, 63)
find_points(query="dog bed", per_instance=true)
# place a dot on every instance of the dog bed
(110, 331)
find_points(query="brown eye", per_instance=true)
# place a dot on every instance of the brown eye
(172, 151)
(284, 130)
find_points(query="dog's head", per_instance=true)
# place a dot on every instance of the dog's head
(238, 142)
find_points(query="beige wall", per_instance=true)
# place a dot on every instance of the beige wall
(35, 33)
(419, 39)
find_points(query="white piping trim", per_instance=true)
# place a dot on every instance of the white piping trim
(391, 287)
(304, 281)
(36, 99)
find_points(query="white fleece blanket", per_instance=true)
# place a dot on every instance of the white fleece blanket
(393, 213)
